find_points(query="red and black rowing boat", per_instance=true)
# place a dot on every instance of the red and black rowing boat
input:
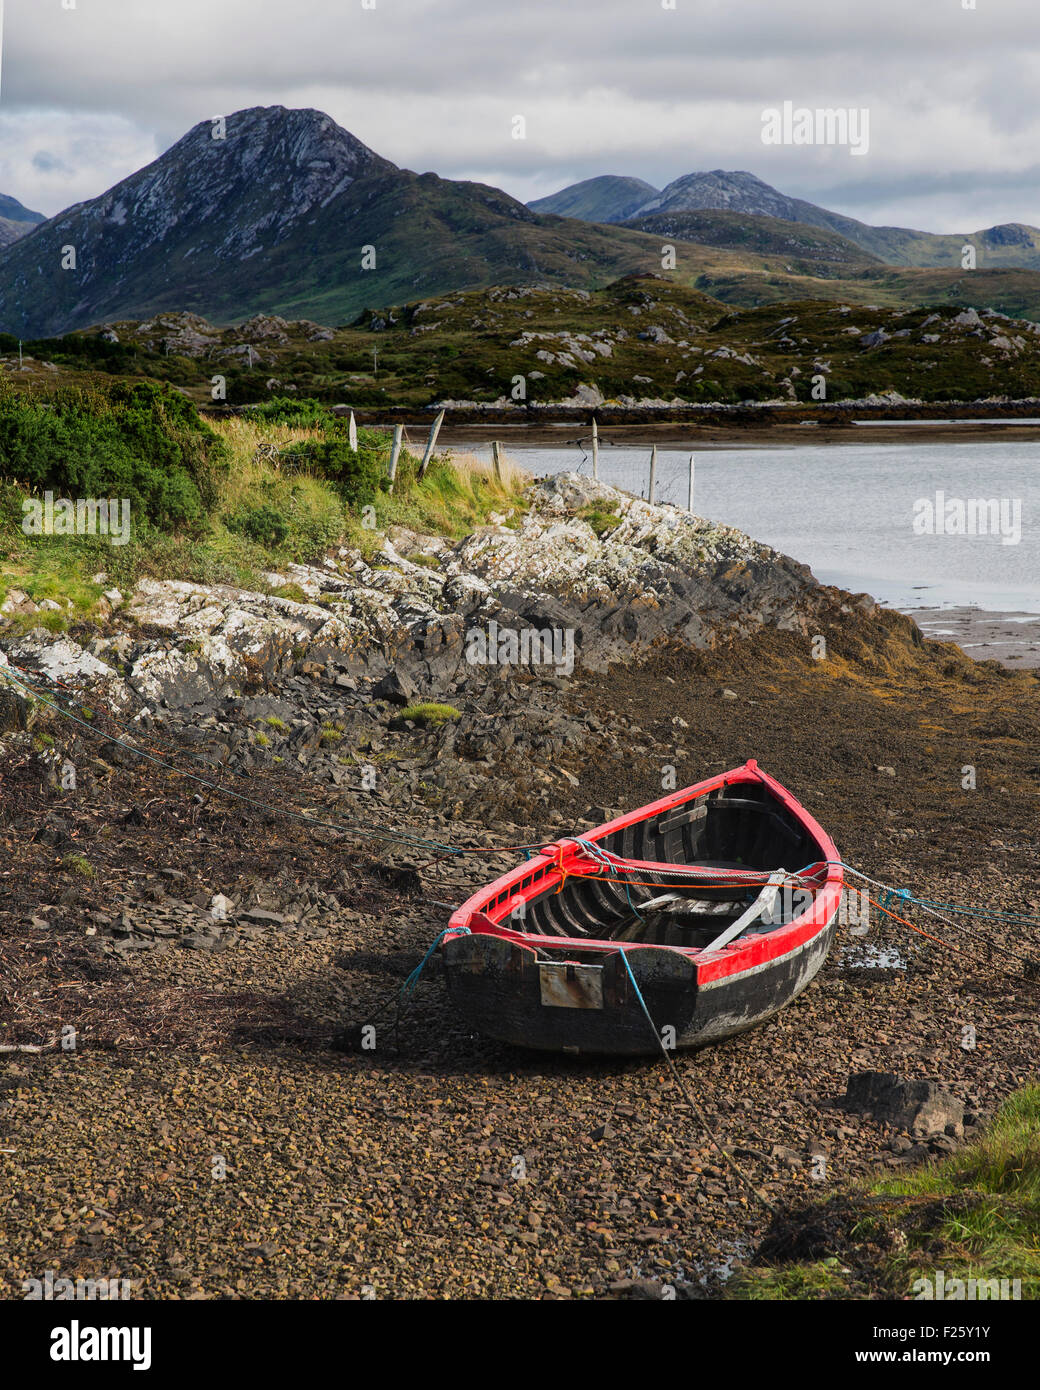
(709, 910)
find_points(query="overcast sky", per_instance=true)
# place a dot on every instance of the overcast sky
(94, 89)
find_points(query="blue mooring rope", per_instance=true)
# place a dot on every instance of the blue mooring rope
(408, 988)
(888, 894)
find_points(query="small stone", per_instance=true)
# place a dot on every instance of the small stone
(787, 1158)
(257, 917)
(219, 907)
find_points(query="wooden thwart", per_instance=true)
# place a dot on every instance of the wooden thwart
(683, 817)
(765, 902)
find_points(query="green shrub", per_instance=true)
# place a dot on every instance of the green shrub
(140, 441)
(304, 413)
(358, 475)
(262, 524)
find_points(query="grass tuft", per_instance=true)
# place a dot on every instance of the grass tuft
(430, 714)
(78, 865)
(974, 1216)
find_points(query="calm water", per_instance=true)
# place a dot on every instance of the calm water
(847, 511)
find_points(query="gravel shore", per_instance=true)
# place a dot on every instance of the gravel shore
(206, 1140)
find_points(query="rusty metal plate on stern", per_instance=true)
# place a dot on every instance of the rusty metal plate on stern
(571, 986)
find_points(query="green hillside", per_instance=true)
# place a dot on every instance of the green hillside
(642, 338)
(802, 250)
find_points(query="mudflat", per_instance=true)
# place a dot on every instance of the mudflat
(681, 435)
(1010, 638)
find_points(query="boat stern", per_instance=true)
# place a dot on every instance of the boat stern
(508, 992)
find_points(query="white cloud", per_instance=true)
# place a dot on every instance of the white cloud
(606, 86)
(51, 159)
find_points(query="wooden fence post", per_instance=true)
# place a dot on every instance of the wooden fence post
(496, 459)
(595, 448)
(395, 453)
(653, 474)
(435, 430)
(352, 432)
(690, 508)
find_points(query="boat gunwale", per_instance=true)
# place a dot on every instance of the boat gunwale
(733, 959)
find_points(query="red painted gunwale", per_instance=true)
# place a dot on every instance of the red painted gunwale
(735, 959)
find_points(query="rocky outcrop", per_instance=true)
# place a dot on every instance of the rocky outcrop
(426, 611)
(318, 671)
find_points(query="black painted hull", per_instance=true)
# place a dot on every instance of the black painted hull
(495, 985)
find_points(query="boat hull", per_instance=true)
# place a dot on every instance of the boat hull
(496, 985)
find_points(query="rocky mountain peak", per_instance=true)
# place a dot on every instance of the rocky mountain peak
(229, 188)
(722, 189)
(306, 147)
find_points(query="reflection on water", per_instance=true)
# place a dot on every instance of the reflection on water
(866, 956)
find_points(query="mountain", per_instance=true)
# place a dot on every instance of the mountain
(734, 192)
(202, 210)
(1011, 245)
(609, 198)
(288, 213)
(11, 210)
(274, 218)
(15, 220)
(807, 250)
